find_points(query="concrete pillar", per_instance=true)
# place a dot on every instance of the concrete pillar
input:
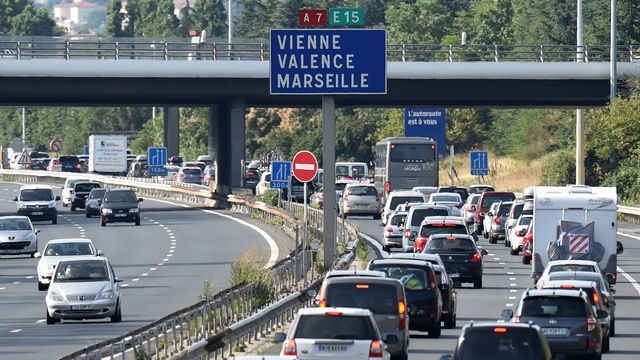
(172, 130)
(213, 125)
(227, 140)
(237, 139)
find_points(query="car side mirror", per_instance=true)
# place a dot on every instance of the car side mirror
(489, 213)
(312, 293)
(57, 198)
(280, 337)
(484, 252)
(381, 223)
(602, 314)
(482, 214)
(15, 198)
(619, 248)
(100, 253)
(507, 314)
(37, 255)
(140, 199)
(391, 339)
(118, 280)
(37, 231)
(446, 357)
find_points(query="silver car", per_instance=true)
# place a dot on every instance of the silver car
(393, 231)
(360, 199)
(451, 200)
(470, 207)
(17, 236)
(83, 289)
(60, 250)
(190, 175)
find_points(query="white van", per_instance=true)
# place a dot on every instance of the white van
(354, 170)
(575, 222)
(205, 159)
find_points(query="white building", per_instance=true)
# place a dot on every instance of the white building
(76, 13)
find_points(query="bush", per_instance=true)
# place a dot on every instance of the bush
(270, 197)
(249, 268)
(561, 169)
(627, 180)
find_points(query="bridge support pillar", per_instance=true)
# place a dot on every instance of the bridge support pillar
(172, 130)
(227, 140)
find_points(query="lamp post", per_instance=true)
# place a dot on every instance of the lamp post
(580, 112)
(613, 57)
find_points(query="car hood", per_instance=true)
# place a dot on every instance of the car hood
(80, 287)
(119, 205)
(14, 235)
(37, 202)
(54, 260)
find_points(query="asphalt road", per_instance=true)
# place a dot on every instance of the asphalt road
(163, 264)
(505, 278)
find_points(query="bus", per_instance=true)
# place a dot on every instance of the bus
(404, 163)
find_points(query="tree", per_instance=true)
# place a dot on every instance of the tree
(287, 13)
(545, 22)
(425, 22)
(19, 17)
(114, 19)
(210, 15)
(156, 18)
(186, 20)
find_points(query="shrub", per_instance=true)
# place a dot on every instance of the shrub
(561, 169)
(250, 268)
(270, 197)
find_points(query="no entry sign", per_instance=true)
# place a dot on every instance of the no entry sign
(305, 166)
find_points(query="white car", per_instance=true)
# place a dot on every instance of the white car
(486, 222)
(449, 199)
(59, 250)
(515, 236)
(398, 197)
(567, 265)
(67, 190)
(392, 235)
(17, 236)
(263, 184)
(83, 288)
(347, 333)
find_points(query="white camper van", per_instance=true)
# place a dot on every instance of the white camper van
(575, 222)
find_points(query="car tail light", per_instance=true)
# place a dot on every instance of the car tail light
(476, 258)
(433, 313)
(469, 210)
(362, 286)
(591, 323)
(289, 348)
(432, 280)
(375, 351)
(389, 229)
(567, 286)
(420, 243)
(521, 233)
(407, 233)
(596, 297)
(497, 220)
(387, 187)
(500, 330)
(402, 311)
(323, 303)
(593, 344)
(334, 313)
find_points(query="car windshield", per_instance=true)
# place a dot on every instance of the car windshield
(446, 198)
(412, 153)
(397, 200)
(380, 299)
(570, 267)
(435, 229)
(36, 195)
(554, 306)
(86, 187)
(120, 196)
(504, 209)
(14, 224)
(586, 276)
(413, 278)
(397, 219)
(517, 210)
(71, 159)
(512, 344)
(524, 220)
(90, 270)
(490, 199)
(97, 193)
(363, 191)
(342, 170)
(191, 171)
(425, 190)
(474, 199)
(343, 327)
(420, 214)
(480, 189)
(73, 183)
(454, 244)
(69, 249)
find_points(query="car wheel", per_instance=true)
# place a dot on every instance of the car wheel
(138, 222)
(103, 221)
(477, 284)
(605, 345)
(50, 320)
(450, 321)
(436, 331)
(54, 221)
(42, 287)
(73, 207)
(485, 235)
(514, 252)
(117, 317)
(612, 331)
(492, 240)
(526, 260)
(88, 214)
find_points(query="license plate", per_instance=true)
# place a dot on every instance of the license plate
(555, 331)
(121, 215)
(456, 275)
(80, 307)
(37, 213)
(332, 348)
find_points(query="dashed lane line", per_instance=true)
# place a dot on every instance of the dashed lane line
(16, 330)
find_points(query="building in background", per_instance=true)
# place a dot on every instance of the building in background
(76, 15)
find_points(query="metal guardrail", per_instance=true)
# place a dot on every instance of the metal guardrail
(628, 210)
(97, 48)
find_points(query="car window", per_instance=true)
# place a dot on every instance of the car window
(517, 210)
(36, 195)
(570, 267)
(436, 229)
(397, 200)
(363, 191)
(97, 193)
(524, 220)
(14, 224)
(553, 306)
(513, 344)
(490, 199)
(447, 198)
(413, 278)
(68, 249)
(86, 187)
(396, 219)
(120, 196)
(342, 170)
(267, 177)
(91, 270)
(191, 171)
(342, 327)
(419, 215)
(358, 170)
(504, 209)
(412, 153)
(474, 199)
(456, 244)
(380, 299)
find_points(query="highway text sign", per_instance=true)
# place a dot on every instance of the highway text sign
(346, 17)
(479, 163)
(280, 173)
(328, 61)
(313, 17)
(426, 122)
(305, 166)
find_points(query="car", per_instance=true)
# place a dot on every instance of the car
(66, 163)
(317, 198)
(61, 249)
(342, 273)
(319, 332)
(424, 299)
(40, 164)
(512, 218)
(438, 225)
(416, 214)
(449, 297)
(451, 200)
(120, 205)
(83, 289)
(251, 177)
(360, 199)
(516, 235)
(38, 203)
(566, 318)
(92, 202)
(68, 188)
(392, 234)
(568, 265)
(498, 218)
(527, 245)
(198, 164)
(426, 191)
(170, 174)
(189, 175)
(209, 175)
(468, 210)
(460, 255)
(340, 186)
(432, 258)
(480, 188)
(398, 197)
(460, 190)
(496, 340)
(17, 236)
(487, 199)
(206, 159)
(80, 192)
(384, 297)
(175, 161)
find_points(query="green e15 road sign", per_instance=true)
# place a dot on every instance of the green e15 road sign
(346, 17)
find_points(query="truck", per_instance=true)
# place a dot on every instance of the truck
(108, 154)
(575, 222)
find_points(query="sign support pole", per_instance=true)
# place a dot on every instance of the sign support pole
(305, 238)
(329, 165)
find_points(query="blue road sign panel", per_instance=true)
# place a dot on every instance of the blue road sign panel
(157, 156)
(479, 163)
(157, 169)
(427, 122)
(280, 173)
(328, 61)
(86, 149)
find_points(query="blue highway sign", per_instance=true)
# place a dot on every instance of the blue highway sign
(428, 123)
(157, 156)
(328, 61)
(479, 163)
(280, 173)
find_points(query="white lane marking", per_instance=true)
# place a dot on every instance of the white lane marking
(510, 273)
(16, 330)
(512, 297)
(513, 290)
(40, 321)
(629, 235)
(2, 288)
(172, 237)
(509, 305)
(6, 189)
(136, 279)
(172, 250)
(160, 264)
(512, 279)
(633, 282)
(496, 259)
(503, 263)
(145, 274)
(514, 284)
(30, 277)
(272, 244)
(124, 285)
(16, 282)
(169, 255)
(153, 269)
(165, 259)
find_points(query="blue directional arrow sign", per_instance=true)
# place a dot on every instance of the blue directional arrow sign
(280, 173)
(157, 159)
(479, 163)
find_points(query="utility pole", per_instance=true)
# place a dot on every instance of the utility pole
(24, 127)
(580, 112)
(613, 58)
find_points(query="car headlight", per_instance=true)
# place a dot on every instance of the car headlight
(22, 205)
(108, 294)
(134, 210)
(47, 270)
(107, 211)
(54, 296)
(52, 204)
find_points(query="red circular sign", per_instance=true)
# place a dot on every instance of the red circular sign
(304, 166)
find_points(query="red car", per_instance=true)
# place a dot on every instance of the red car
(527, 245)
(484, 203)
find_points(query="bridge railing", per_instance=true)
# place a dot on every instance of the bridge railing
(97, 48)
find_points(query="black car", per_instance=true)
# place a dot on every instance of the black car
(501, 341)
(70, 163)
(251, 177)
(424, 300)
(119, 205)
(449, 297)
(460, 256)
(92, 202)
(460, 190)
(80, 192)
(40, 164)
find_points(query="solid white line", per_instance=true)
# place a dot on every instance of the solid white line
(16, 282)
(629, 235)
(633, 282)
(16, 330)
(41, 321)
